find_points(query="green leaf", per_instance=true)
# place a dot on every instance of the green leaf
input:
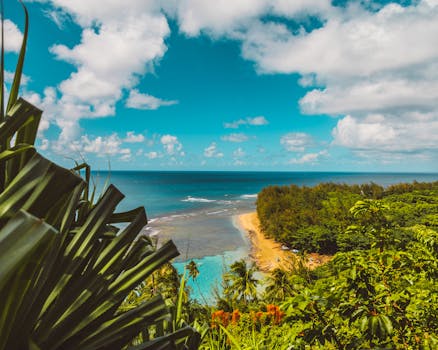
(22, 234)
(13, 94)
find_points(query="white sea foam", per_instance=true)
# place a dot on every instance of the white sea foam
(197, 200)
(249, 196)
(226, 202)
(217, 212)
(169, 218)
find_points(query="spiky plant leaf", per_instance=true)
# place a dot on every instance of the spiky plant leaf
(66, 264)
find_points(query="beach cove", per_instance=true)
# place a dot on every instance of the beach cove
(206, 214)
(268, 254)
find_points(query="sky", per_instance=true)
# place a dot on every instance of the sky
(242, 85)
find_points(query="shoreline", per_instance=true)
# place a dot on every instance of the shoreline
(267, 253)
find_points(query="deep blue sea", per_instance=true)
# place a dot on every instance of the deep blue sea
(196, 209)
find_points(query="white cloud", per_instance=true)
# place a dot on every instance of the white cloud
(239, 152)
(383, 134)
(171, 145)
(13, 36)
(235, 137)
(216, 17)
(364, 59)
(376, 94)
(260, 120)
(153, 155)
(44, 145)
(224, 17)
(358, 62)
(145, 101)
(87, 13)
(296, 141)
(102, 146)
(132, 137)
(311, 158)
(125, 154)
(212, 152)
(354, 42)
(118, 45)
(9, 78)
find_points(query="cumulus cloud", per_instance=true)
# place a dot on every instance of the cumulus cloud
(153, 155)
(296, 141)
(379, 133)
(44, 145)
(13, 36)
(374, 94)
(216, 17)
(260, 120)
(362, 59)
(118, 44)
(311, 158)
(171, 145)
(224, 17)
(212, 151)
(235, 137)
(132, 137)
(351, 43)
(102, 146)
(144, 101)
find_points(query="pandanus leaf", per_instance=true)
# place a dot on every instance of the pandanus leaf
(13, 95)
(66, 267)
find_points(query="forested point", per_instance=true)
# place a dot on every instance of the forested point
(318, 219)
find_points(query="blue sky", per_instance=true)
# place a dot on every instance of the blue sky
(302, 85)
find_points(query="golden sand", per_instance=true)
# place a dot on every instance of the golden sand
(267, 253)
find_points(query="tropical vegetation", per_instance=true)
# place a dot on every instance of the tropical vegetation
(68, 259)
(77, 274)
(380, 296)
(315, 219)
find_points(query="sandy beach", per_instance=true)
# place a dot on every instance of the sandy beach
(267, 253)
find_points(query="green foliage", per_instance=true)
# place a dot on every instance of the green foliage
(242, 285)
(316, 219)
(377, 297)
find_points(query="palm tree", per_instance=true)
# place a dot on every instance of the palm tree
(243, 284)
(279, 286)
(193, 269)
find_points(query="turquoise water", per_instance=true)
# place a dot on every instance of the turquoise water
(195, 209)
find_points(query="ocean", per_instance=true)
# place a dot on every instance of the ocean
(196, 209)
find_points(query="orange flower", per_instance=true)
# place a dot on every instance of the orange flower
(235, 317)
(274, 313)
(216, 318)
(220, 317)
(225, 318)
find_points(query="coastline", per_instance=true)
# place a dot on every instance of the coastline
(268, 254)
(265, 252)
